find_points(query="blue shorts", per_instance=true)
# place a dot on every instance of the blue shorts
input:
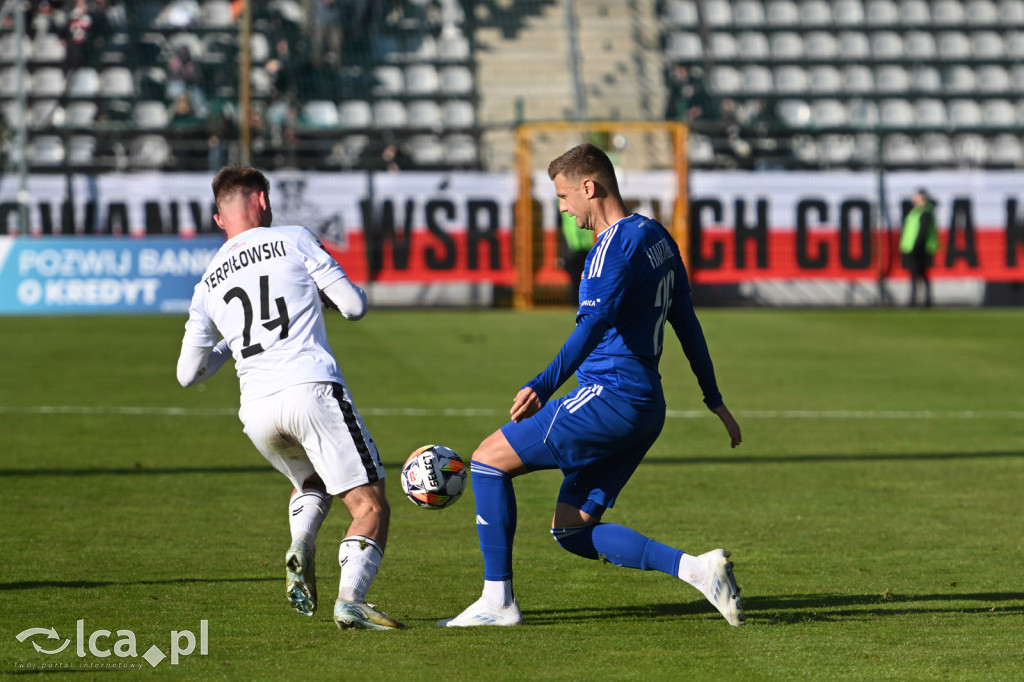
(596, 439)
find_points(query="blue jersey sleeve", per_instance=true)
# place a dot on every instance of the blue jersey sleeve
(584, 339)
(683, 319)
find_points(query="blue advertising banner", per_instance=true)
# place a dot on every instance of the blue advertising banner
(101, 274)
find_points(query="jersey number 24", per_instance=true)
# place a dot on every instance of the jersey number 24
(248, 348)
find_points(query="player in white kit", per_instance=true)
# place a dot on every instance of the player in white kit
(261, 302)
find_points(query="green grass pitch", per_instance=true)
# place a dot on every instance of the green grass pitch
(874, 510)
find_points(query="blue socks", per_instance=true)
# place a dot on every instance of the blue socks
(496, 527)
(619, 545)
(495, 519)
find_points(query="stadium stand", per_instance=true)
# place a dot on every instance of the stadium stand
(804, 83)
(939, 81)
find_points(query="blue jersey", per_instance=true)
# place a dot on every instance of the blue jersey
(633, 283)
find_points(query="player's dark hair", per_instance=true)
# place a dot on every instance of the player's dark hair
(233, 179)
(586, 160)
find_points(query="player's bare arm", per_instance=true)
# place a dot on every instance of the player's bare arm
(730, 424)
(526, 404)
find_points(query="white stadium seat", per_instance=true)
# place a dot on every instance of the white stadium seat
(882, 13)
(783, 13)
(981, 12)
(718, 12)
(1011, 12)
(752, 45)
(460, 149)
(458, 115)
(953, 45)
(786, 45)
(150, 115)
(915, 13)
(320, 113)
(684, 46)
(723, 45)
(426, 150)
(925, 79)
(854, 46)
(758, 79)
(896, 113)
(886, 45)
(858, 79)
(930, 113)
(960, 79)
(899, 150)
(919, 45)
(680, 13)
(999, 112)
(790, 80)
(45, 150)
(355, 113)
(821, 45)
(970, 149)
(987, 45)
(964, 113)
(794, 113)
(848, 12)
(828, 113)
(825, 79)
(948, 13)
(726, 80)
(815, 13)
(863, 113)
(993, 78)
(748, 13)
(1006, 150)
(425, 113)
(389, 114)
(936, 149)
(892, 78)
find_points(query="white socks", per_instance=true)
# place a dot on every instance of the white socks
(692, 570)
(498, 593)
(360, 558)
(307, 509)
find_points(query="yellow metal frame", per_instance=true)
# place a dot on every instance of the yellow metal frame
(523, 227)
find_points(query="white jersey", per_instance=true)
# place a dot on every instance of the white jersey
(261, 293)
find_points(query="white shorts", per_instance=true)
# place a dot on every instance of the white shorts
(313, 428)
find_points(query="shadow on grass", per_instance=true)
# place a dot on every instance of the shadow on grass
(801, 608)
(90, 584)
(154, 471)
(809, 459)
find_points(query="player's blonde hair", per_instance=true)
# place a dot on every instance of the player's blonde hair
(586, 161)
(234, 179)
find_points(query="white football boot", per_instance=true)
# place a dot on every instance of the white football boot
(301, 578)
(363, 616)
(481, 612)
(719, 586)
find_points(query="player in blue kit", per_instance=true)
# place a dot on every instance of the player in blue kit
(634, 282)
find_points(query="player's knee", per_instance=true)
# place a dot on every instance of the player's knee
(577, 539)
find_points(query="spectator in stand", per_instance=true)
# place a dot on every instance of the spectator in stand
(327, 35)
(689, 100)
(183, 75)
(183, 114)
(394, 157)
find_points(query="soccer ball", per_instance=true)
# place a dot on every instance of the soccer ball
(434, 477)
